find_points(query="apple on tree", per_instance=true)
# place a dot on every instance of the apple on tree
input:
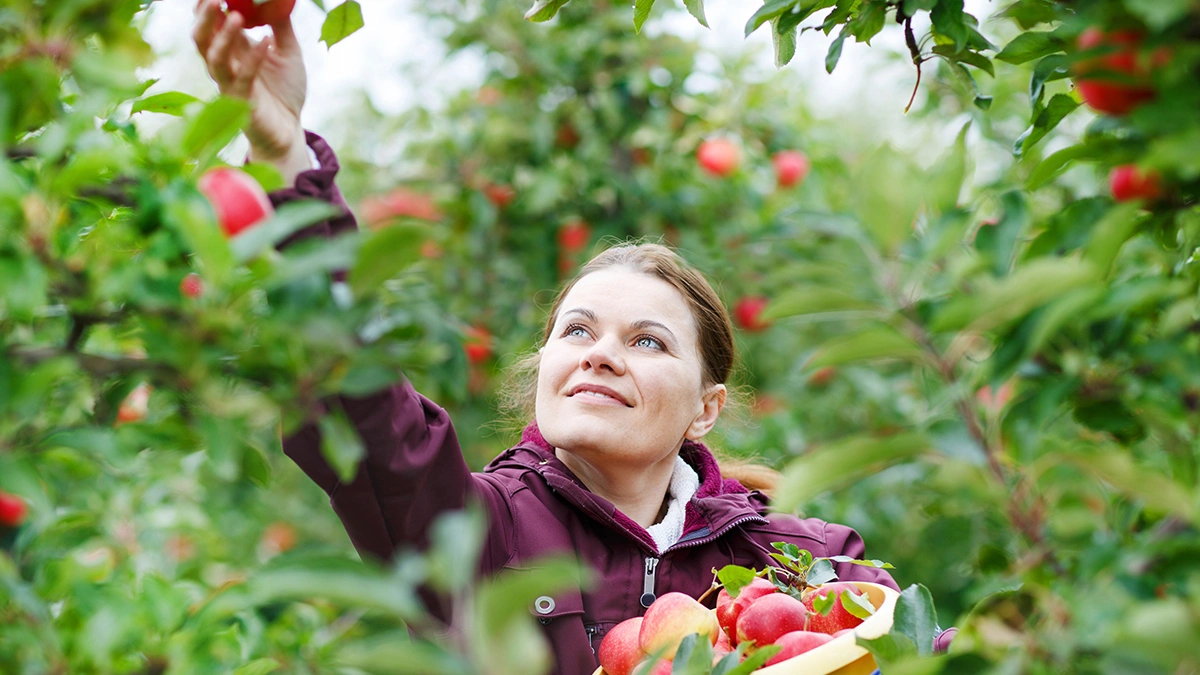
(192, 286)
(1128, 183)
(574, 236)
(747, 311)
(718, 156)
(12, 510)
(1118, 81)
(791, 167)
(478, 344)
(238, 199)
(499, 194)
(261, 12)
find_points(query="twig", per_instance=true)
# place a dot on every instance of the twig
(917, 59)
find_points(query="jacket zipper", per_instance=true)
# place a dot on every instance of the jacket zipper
(718, 533)
(648, 583)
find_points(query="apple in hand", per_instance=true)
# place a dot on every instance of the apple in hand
(1127, 183)
(261, 12)
(770, 617)
(791, 166)
(718, 156)
(238, 199)
(730, 608)
(838, 617)
(797, 642)
(671, 618)
(620, 652)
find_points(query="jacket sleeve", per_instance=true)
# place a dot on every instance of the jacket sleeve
(413, 469)
(842, 540)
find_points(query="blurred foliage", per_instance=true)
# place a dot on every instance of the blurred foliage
(992, 374)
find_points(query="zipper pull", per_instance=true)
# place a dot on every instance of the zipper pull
(648, 584)
(591, 633)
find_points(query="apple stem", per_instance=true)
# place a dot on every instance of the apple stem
(715, 585)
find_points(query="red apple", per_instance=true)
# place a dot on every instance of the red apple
(671, 618)
(261, 12)
(500, 195)
(823, 377)
(770, 617)
(722, 646)
(237, 198)
(730, 608)
(1127, 183)
(574, 235)
(718, 156)
(797, 642)
(399, 203)
(662, 667)
(12, 510)
(279, 538)
(620, 651)
(1116, 82)
(192, 286)
(838, 617)
(135, 405)
(747, 311)
(478, 344)
(791, 166)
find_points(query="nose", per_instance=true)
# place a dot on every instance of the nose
(604, 355)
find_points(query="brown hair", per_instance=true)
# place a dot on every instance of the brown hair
(715, 331)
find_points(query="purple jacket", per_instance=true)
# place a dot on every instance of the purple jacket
(414, 470)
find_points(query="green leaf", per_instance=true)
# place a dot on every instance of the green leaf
(1026, 289)
(1050, 167)
(966, 56)
(945, 180)
(386, 253)
(889, 192)
(949, 21)
(456, 540)
(544, 10)
(400, 656)
(1056, 110)
(878, 342)
(1050, 68)
(784, 42)
(341, 22)
(347, 583)
(911, 7)
(214, 127)
(999, 242)
(696, 9)
(823, 604)
(1029, 46)
(856, 604)
(915, 618)
(754, 661)
(835, 50)
(889, 649)
(694, 656)
(770, 11)
(188, 213)
(869, 21)
(1159, 14)
(340, 444)
(803, 300)
(266, 174)
(837, 465)
(170, 103)
(1110, 234)
(1115, 467)
(734, 578)
(289, 219)
(259, 667)
(1029, 13)
(641, 12)
(820, 572)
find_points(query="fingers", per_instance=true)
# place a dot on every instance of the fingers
(285, 36)
(209, 20)
(241, 84)
(229, 44)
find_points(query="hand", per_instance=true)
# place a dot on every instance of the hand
(269, 74)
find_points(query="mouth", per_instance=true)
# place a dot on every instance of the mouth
(598, 394)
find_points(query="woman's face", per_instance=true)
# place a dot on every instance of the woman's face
(620, 378)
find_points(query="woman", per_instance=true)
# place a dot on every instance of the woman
(629, 378)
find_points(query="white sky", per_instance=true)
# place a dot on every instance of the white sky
(867, 90)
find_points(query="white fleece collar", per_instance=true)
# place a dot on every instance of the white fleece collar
(684, 483)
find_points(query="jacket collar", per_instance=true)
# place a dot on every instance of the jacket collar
(717, 503)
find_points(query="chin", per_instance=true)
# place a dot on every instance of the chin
(580, 434)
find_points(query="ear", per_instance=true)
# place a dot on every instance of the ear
(712, 402)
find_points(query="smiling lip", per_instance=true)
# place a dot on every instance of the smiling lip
(597, 389)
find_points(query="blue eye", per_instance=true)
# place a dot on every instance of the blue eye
(575, 329)
(647, 341)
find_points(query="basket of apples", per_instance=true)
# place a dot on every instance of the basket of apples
(795, 619)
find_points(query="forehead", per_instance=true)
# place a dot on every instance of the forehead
(623, 294)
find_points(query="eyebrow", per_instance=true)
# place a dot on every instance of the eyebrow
(640, 324)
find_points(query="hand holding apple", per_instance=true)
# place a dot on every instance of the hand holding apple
(262, 13)
(269, 74)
